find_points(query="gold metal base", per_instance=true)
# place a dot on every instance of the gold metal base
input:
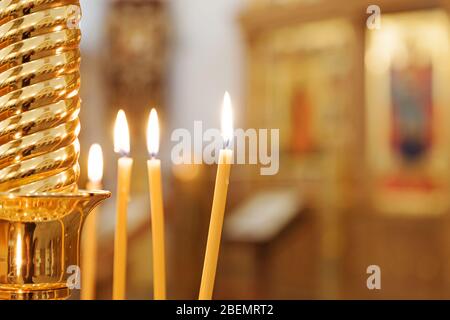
(35, 292)
(40, 238)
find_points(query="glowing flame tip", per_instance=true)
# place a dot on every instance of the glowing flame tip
(121, 134)
(153, 133)
(227, 119)
(95, 163)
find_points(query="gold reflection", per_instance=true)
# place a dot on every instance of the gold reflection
(40, 236)
(19, 254)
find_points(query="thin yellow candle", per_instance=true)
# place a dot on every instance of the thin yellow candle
(219, 203)
(121, 146)
(157, 212)
(89, 251)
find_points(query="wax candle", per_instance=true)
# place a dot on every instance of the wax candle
(89, 251)
(125, 163)
(219, 203)
(157, 212)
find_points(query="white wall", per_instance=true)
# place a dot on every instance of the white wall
(92, 24)
(206, 60)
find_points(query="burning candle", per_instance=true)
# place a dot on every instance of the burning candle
(157, 213)
(89, 252)
(219, 202)
(125, 163)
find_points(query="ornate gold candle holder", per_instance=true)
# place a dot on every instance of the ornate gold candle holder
(41, 209)
(40, 238)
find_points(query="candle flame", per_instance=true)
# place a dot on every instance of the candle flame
(121, 134)
(153, 133)
(95, 163)
(227, 119)
(19, 254)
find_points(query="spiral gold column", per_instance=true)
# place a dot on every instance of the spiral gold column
(39, 95)
(41, 210)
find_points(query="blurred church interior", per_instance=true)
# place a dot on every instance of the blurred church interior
(364, 142)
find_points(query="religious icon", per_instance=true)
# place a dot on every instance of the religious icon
(405, 99)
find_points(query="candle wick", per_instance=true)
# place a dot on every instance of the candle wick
(153, 155)
(123, 154)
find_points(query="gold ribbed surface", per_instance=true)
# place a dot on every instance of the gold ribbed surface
(39, 100)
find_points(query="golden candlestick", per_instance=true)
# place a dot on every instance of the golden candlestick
(40, 237)
(41, 209)
(39, 100)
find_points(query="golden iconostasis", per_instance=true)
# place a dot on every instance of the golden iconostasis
(363, 138)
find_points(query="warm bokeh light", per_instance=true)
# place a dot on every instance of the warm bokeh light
(153, 133)
(95, 163)
(227, 119)
(186, 172)
(121, 134)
